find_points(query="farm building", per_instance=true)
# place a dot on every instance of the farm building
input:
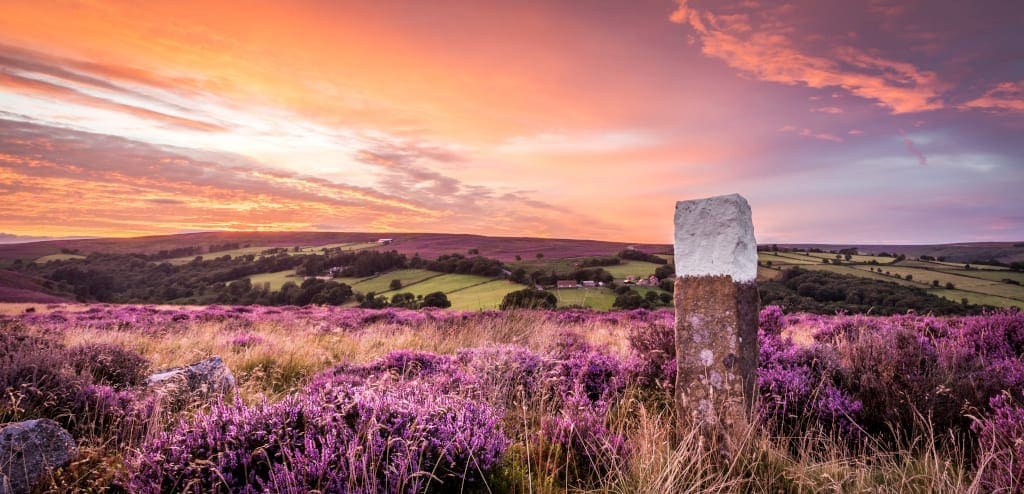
(565, 284)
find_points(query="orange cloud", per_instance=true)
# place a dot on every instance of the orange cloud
(1007, 96)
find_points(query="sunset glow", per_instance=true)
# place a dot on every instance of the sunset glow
(895, 122)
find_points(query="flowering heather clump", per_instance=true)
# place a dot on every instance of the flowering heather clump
(39, 378)
(798, 386)
(1001, 443)
(576, 436)
(406, 438)
(109, 364)
(771, 320)
(35, 381)
(652, 365)
(508, 373)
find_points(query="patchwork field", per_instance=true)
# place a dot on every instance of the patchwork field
(482, 296)
(382, 283)
(276, 279)
(979, 285)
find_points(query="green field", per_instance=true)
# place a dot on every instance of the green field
(319, 249)
(382, 283)
(768, 274)
(858, 258)
(276, 279)
(992, 275)
(446, 283)
(632, 268)
(785, 259)
(925, 277)
(861, 271)
(596, 298)
(564, 266)
(483, 296)
(213, 255)
(976, 298)
(58, 257)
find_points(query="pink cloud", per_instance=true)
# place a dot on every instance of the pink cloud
(771, 53)
(831, 110)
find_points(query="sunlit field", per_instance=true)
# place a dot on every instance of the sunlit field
(394, 400)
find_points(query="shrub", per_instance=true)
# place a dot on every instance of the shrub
(109, 364)
(436, 299)
(529, 298)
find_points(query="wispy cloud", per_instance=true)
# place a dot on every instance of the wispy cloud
(17, 83)
(805, 132)
(921, 158)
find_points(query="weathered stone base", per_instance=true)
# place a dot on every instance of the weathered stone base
(717, 352)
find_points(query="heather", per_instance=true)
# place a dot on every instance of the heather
(398, 400)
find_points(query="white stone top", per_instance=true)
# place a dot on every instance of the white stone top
(715, 236)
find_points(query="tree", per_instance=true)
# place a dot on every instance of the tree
(519, 276)
(333, 294)
(529, 298)
(372, 301)
(396, 284)
(404, 299)
(436, 299)
(665, 271)
(950, 285)
(540, 255)
(631, 299)
(519, 257)
(935, 283)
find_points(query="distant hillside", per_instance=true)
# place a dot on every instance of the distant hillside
(15, 287)
(428, 245)
(1006, 252)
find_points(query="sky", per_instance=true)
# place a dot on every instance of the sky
(839, 121)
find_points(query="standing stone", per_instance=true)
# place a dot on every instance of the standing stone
(716, 304)
(29, 450)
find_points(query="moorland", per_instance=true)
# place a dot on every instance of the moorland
(879, 371)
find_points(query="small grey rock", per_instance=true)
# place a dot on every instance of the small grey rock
(200, 381)
(29, 450)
